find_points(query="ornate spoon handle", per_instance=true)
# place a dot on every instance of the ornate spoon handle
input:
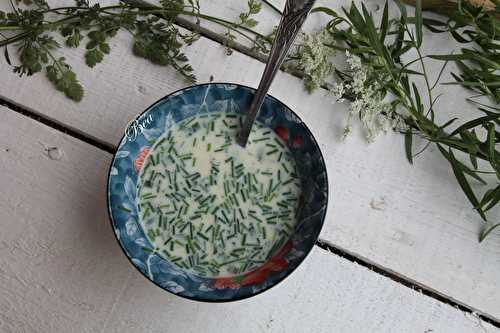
(293, 17)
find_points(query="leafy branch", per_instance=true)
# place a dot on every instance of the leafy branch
(478, 30)
(380, 48)
(246, 19)
(155, 35)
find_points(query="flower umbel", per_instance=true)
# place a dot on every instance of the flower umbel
(364, 87)
(314, 59)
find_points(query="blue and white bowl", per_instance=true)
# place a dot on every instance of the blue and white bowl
(133, 149)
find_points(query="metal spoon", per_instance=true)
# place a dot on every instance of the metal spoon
(293, 17)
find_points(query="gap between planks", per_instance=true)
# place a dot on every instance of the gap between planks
(325, 245)
(60, 127)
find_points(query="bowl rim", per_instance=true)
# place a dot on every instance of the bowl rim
(194, 298)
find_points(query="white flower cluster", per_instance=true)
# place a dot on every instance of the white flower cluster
(376, 115)
(314, 59)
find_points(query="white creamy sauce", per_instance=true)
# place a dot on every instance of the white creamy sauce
(212, 207)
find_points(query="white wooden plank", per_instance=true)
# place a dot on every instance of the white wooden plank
(268, 18)
(55, 235)
(62, 271)
(326, 294)
(422, 226)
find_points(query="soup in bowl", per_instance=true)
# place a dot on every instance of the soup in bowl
(205, 218)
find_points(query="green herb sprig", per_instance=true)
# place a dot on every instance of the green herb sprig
(477, 28)
(381, 47)
(29, 29)
(246, 19)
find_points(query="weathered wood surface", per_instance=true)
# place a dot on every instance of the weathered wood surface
(412, 220)
(61, 269)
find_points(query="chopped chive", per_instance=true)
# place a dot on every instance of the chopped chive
(274, 151)
(254, 217)
(187, 122)
(237, 203)
(184, 227)
(125, 209)
(279, 143)
(202, 236)
(160, 221)
(243, 195)
(204, 200)
(281, 204)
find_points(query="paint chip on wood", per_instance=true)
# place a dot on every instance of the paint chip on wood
(378, 204)
(141, 89)
(53, 153)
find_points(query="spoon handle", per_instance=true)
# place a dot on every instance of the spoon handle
(293, 17)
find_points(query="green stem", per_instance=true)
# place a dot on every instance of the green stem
(23, 35)
(142, 10)
(227, 24)
(49, 26)
(424, 72)
(62, 70)
(427, 83)
(52, 10)
(408, 64)
(150, 9)
(10, 27)
(13, 39)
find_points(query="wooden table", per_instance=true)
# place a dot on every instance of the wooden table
(398, 252)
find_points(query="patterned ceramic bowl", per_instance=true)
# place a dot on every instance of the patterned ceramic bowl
(133, 149)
